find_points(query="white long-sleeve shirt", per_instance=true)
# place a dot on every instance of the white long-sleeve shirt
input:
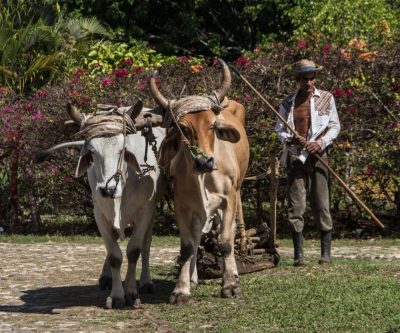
(323, 116)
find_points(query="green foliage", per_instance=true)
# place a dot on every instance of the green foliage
(340, 21)
(199, 28)
(37, 41)
(106, 57)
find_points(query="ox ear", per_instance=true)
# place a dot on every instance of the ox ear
(130, 158)
(85, 158)
(226, 132)
(170, 146)
(136, 109)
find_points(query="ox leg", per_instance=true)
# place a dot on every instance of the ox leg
(181, 293)
(230, 285)
(146, 284)
(105, 280)
(142, 221)
(196, 232)
(114, 255)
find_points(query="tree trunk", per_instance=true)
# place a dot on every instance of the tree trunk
(14, 194)
(36, 221)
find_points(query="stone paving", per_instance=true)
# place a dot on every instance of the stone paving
(54, 287)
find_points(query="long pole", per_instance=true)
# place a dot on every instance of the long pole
(351, 193)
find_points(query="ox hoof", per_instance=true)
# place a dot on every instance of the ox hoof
(133, 299)
(226, 292)
(237, 292)
(179, 299)
(105, 282)
(231, 291)
(115, 303)
(193, 285)
(147, 288)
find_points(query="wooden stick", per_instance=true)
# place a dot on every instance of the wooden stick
(353, 195)
(273, 199)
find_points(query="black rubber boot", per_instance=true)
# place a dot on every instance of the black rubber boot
(326, 239)
(298, 249)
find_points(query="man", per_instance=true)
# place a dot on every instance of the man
(313, 115)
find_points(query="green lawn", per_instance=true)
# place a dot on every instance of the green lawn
(171, 241)
(350, 296)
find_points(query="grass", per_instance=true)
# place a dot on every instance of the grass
(172, 241)
(350, 296)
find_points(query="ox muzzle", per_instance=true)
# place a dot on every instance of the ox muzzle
(204, 165)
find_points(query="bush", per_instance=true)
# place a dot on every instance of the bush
(366, 86)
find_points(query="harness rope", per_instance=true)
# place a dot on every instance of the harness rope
(119, 171)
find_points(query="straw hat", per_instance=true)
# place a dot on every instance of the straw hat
(305, 66)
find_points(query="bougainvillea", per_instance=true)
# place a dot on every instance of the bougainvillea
(365, 154)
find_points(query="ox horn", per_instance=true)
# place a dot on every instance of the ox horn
(75, 115)
(158, 97)
(45, 154)
(226, 81)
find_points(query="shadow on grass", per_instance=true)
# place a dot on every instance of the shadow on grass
(46, 300)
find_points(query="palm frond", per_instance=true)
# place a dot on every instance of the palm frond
(43, 64)
(38, 34)
(84, 27)
(5, 35)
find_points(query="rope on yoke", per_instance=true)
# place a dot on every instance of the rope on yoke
(111, 110)
(119, 171)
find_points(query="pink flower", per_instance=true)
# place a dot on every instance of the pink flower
(326, 49)
(349, 93)
(136, 69)
(347, 208)
(281, 45)
(121, 73)
(397, 103)
(324, 61)
(107, 82)
(215, 62)
(261, 125)
(242, 62)
(237, 99)
(311, 19)
(338, 93)
(273, 44)
(395, 88)
(291, 51)
(356, 240)
(303, 44)
(127, 62)
(355, 89)
(350, 111)
(79, 72)
(2, 91)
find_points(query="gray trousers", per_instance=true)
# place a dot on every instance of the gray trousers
(309, 179)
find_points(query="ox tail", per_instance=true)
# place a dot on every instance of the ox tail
(45, 154)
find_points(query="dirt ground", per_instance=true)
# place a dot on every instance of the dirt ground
(50, 287)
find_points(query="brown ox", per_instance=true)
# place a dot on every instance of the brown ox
(206, 188)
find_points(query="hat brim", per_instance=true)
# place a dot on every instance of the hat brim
(296, 72)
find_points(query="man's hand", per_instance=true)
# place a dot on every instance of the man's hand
(298, 140)
(312, 147)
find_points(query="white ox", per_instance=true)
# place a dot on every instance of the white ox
(129, 202)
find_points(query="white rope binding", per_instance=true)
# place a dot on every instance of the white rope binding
(111, 110)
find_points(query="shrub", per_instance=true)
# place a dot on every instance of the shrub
(366, 153)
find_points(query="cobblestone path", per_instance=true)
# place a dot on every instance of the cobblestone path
(54, 287)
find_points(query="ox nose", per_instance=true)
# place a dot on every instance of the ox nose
(202, 165)
(109, 192)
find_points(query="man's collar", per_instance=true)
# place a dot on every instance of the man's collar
(316, 93)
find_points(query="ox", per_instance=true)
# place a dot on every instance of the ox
(126, 200)
(207, 164)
